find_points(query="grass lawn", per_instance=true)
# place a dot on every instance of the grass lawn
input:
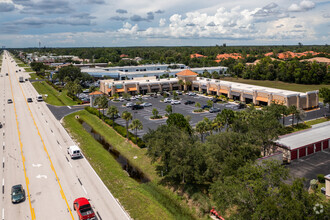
(277, 84)
(54, 97)
(34, 76)
(23, 65)
(142, 201)
(317, 121)
(28, 69)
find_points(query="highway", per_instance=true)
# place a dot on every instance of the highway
(34, 153)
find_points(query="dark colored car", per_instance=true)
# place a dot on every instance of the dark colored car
(206, 106)
(29, 100)
(9, 101)
(215, 100)
(17, 194)
(214, 110)
(189, 102)
(136, 107)
(241, 106)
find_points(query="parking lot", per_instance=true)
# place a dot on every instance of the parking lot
(144, 114)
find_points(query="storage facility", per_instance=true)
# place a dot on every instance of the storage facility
(300, 144)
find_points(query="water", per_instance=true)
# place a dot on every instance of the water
(133, 172)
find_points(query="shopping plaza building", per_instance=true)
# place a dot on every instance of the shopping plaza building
(188, 80)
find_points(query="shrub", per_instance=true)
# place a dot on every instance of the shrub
(313, 184)
(321, 178)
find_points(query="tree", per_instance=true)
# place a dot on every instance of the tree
(210, 103)
(175, 95)
(293, 111)
(218, 122)
(136, 125)
(126, 95)
(169, 109)
(179, 121)
(325, 94)
(127, 116)
(112, 112)
(71, 71)
(259, 191)
(201, 128)
(181, 83)
(155, 113)
(198, 105)
(102, 102)
(228, 117)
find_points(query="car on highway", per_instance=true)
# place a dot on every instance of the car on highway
(129, 104)
(214, 110)
(146, 104)
(6, 74)
(83, 209)
(17, 194)
(167, 100)
(137, 107)
(175, 102)
(39, 98)
(189, 102)
(29, 100)
(74, 152)
(9, 101)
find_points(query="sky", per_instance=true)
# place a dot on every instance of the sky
(109, 23)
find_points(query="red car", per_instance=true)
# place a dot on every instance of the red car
(84, 209)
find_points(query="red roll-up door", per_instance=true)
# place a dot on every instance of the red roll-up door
(310, 149)
(318, 147)
(302, 152)
(325, 144)
(293, 154)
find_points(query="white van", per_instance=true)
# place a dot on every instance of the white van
(39, 98)
(74, 152)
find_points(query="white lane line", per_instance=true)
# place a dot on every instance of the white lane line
(69, 107)
(71, 167)
(60, 146)
(3, 214)
(84, 189)
(3, 162)
(3, 186)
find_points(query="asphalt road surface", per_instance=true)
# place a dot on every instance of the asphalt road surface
(33, 153)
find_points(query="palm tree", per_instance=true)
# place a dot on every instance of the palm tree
(218, 122)
(127, 116)
(209, 125)
(96, 103)
(201, 127)
(112, 112)
(188, 84)
(181, 83)
(294, 111)
(103, 102)
(136, 125)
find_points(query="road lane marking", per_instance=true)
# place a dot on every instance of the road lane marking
(36, 165)
(43, 143)
(84, 189)
(3, 186)
(41, 176)
(3, 162)
(3, 214)
(21, 147)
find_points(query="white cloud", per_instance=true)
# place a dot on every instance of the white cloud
(162, 22)
(302, 6)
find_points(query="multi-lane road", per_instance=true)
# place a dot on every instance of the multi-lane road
(33, 153)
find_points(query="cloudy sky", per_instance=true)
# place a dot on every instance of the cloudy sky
(78, 23)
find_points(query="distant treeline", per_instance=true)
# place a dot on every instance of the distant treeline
(289, 71)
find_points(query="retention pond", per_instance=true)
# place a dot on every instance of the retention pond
(132, 171)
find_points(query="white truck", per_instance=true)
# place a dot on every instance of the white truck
(39, 98)
(21, 79)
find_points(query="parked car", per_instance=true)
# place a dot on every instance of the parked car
(29, 100)
(206, 106)
(121, 99)
(129, 104)
(167, 100)
(17, 194)
(214, 110)
(146, 104)
(136, 107)
(191, 94)
(215, 100)
(241, 105)
(175, 102)
(178, 92)
(133, 98)
(9, 101)
(189, 102)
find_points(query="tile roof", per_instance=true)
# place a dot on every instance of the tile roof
(96, 93)
(187, 73)
(196, 55)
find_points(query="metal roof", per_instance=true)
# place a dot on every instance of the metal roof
(299, 139)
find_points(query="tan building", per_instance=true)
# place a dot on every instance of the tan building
(189, 81)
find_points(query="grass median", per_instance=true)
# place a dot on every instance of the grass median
(23, 65)
(142, 201)
(54, 97)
